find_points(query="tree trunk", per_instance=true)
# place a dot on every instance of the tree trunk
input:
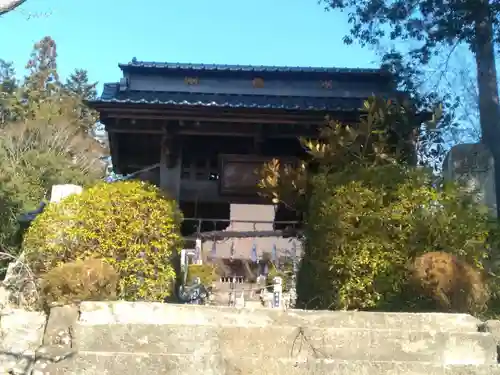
(489, 108)
(8, 5)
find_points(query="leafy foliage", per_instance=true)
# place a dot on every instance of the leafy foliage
(370, 213)
(206, 272)
(79, 89)
(365, 225)
(426, 26)
(36, 156)
(78, 84)
(285, 272)
(429, 22)
(129, 224)
(433, 138)
(387, 133)
(81, 280)
(8, 85)
(44, 139)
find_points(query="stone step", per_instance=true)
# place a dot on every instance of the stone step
(86, 363)
(283, 341)
(162, 313)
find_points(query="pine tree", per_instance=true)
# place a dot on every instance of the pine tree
(43, 80)
(78, 84)
(8, 88)
(8, 81)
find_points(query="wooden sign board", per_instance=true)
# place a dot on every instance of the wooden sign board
(240, 174)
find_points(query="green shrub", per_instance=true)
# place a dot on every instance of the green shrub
(81, 280)
(129, 224)
(285, 273)
(206, 272)
(366, 225)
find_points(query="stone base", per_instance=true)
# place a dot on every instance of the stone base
(134, 338)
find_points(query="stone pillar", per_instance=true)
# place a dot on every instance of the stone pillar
(59, 192)
(471, 165)
(293, 284)
(198, 258)
(278, 292)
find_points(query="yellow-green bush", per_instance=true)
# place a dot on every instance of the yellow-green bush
(366, 225)
(81, 280)
(285, 273)
(129, 224)
(206, 272)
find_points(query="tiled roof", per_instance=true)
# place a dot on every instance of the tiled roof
(245, 68)
(111, 94)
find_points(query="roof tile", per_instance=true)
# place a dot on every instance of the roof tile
(246, 68)
(111, 94)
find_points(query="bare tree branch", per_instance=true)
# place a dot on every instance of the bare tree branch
(8, 5)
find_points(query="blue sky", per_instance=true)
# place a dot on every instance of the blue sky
(97, 35)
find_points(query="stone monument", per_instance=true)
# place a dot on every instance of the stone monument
(471, 165)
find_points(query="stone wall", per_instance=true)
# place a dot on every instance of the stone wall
(154, 338)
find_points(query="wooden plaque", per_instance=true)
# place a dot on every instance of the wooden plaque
(240, 174)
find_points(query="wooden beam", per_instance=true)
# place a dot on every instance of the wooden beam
(210, 111)
(233, 119)
(134, 131)
(215, 133)
(206, 133)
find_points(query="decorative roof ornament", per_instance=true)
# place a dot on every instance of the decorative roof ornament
(258, 83)
(191, 81)
(328, 84)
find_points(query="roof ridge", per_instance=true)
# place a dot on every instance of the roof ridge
(134, 63)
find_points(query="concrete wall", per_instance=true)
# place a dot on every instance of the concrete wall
(154, 338)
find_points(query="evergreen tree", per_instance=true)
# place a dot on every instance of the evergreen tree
(431, 24)
(43, 80)
(8, 87)
(8, 81)
(78, 88)
(78, 84)
(45, 140)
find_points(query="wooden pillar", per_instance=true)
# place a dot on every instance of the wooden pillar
(258, 139)
(170, 167)
(164, 161)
